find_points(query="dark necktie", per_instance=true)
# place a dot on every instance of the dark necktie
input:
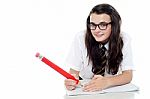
(100, 61)
(103, 60)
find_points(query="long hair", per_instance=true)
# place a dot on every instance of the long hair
(115, 55)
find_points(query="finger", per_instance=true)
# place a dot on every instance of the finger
(75, 76)
(70, 88)
(89, 87)
(89, 83)
(94, 89)
(70, 82)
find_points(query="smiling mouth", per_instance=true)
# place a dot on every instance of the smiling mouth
(99, 35)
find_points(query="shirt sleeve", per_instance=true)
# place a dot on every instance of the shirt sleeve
(74, 59)
(127, 62)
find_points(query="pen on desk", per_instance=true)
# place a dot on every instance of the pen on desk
(57, 68)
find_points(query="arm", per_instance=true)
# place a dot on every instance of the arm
(99, 82)
(121, 79)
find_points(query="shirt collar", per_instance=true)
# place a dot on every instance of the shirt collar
(106, 45)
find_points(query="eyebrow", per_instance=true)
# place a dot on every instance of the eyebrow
(100, 22)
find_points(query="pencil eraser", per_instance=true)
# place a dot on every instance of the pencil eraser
(37, 54)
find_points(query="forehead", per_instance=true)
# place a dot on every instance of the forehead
(97, 18)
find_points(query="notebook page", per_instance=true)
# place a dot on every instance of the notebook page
(123, 88)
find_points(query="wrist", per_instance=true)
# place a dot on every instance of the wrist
(108, 82)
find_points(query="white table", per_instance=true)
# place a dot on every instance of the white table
(124, 95)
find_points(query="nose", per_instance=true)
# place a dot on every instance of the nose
(97, 29)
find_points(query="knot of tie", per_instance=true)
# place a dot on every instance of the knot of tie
(102, 50)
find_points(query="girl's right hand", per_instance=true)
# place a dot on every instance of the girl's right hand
(70, 84)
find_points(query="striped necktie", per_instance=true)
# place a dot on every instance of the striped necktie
(100, 61)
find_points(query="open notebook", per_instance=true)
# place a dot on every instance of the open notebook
(123, 88)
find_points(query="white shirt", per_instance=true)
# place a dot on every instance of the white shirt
(77, 58)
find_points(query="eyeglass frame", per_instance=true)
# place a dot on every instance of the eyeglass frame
(99, 25)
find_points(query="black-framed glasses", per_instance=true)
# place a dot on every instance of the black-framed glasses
(101, 25)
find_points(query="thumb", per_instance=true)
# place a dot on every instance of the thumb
(75, 76)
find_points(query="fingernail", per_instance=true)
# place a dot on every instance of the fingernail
(85, 90)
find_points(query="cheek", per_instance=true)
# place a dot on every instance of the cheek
(92, 32)
(108, 33)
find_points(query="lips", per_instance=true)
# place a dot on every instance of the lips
(98, 34)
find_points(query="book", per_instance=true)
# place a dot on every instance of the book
(122, 88)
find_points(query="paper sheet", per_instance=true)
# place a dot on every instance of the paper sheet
(123, 88)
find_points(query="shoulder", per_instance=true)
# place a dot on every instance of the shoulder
(125, 37)
(126, 42)
(80, 37)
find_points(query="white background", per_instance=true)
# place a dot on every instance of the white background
(48, 27)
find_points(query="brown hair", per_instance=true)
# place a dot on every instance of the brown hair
(115, 55)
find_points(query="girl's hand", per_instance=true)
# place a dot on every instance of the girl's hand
(98, 82)
(70, 84)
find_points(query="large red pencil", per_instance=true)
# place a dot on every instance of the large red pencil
(57, 68)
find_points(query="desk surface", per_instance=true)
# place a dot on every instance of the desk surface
(124, 95)
(19, 84)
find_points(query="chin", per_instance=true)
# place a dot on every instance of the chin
(99, 39)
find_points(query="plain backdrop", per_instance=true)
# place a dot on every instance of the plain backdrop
(48, 27)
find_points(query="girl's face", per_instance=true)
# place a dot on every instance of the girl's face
(100, 25)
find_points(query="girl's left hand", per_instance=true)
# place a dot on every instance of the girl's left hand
(98, 82)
